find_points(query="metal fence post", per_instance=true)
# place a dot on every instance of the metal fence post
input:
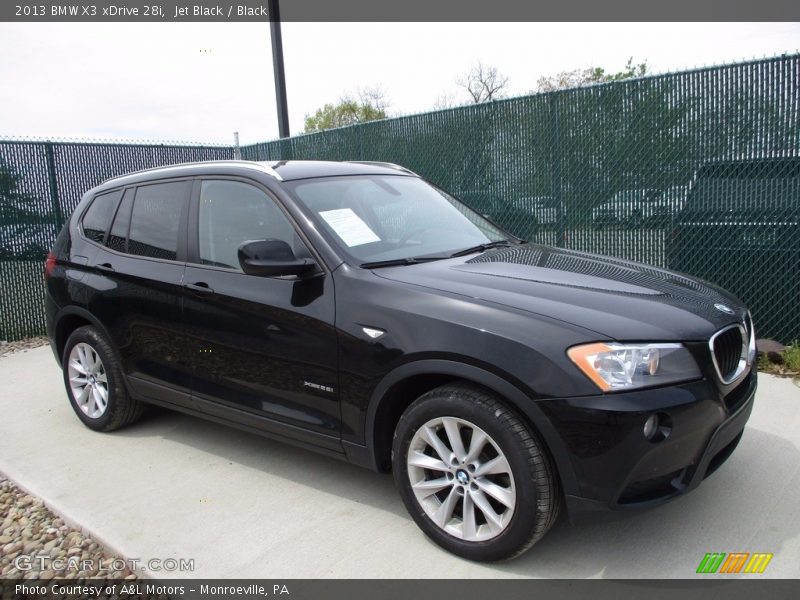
(51, 178)
(237, 151)
(556, 178)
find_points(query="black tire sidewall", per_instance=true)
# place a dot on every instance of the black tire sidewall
(518, 532)
(116, 388)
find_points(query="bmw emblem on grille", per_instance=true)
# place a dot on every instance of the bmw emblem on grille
(722, 308)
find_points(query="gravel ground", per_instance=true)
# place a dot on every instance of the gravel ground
(21, 345)
(30, 533)
(35, 543)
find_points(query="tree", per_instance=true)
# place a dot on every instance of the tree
(369, 105)
(592, 75)
(483, 83)
(16, 207)
(444, 100)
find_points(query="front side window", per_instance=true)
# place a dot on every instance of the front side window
(388, 217)
(155, 220)
(98, 216)
(232, 212)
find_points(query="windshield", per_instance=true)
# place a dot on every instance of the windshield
(388, 217)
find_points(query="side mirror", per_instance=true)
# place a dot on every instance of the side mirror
(272, 258)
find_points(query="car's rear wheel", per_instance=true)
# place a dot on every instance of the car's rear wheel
(94, 383)
(473, 476)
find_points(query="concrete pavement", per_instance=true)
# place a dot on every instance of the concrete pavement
(173, 486)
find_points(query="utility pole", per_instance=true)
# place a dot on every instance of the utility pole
(277, 68)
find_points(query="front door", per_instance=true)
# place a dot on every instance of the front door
(265, 346)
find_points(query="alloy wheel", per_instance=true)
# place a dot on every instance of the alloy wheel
(88, 380)
(461, 479)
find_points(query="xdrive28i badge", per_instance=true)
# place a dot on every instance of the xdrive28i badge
(722, 308)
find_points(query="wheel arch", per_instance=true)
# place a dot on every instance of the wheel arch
(68, 320)
(400, 387)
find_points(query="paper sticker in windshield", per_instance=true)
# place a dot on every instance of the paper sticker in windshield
(349, 227)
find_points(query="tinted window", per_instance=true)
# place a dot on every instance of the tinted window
(155, 219)
(756, 186)
(118, 236)
(97, 218)
(232, 212)
(746, 193)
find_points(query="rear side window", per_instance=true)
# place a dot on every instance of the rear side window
(155, 220)
(98, 217)
(118, 236)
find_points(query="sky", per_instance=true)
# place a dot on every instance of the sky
(200, 82)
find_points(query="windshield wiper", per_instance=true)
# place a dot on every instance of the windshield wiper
(398, 262)
(482, 248)
(413, 260)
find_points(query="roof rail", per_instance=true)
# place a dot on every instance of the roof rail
(261, 166)
(384, 164)
(269, 167)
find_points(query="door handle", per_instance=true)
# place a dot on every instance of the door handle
(105, 267)
(200, 288)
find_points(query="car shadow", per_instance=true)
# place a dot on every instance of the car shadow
(274, 458)
(734, 510)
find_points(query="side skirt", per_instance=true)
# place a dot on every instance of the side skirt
(165, 397)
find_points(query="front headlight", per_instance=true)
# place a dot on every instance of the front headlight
(614, 367)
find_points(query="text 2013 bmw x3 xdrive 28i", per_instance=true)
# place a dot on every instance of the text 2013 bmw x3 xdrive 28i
(355, 309)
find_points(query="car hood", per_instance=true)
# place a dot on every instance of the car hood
(617, 299)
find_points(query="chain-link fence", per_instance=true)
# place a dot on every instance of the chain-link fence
(697, 171)
(40, 185)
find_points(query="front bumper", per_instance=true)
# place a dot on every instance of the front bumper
(617, 470)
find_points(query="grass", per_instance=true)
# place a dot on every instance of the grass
(785, 364)
(792, 357)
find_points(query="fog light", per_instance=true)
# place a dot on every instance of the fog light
(650, 427)
(657, 428)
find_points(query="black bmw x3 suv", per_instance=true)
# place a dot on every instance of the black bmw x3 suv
(358, 310)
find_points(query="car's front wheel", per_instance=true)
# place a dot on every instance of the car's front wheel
(473, 476)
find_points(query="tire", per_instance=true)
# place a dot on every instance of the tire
(84, 346)
(529, 482)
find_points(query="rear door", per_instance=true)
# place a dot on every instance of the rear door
(137, 276)
(265, 347)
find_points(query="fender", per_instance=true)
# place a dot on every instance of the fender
(519, 400)
(77, 311)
